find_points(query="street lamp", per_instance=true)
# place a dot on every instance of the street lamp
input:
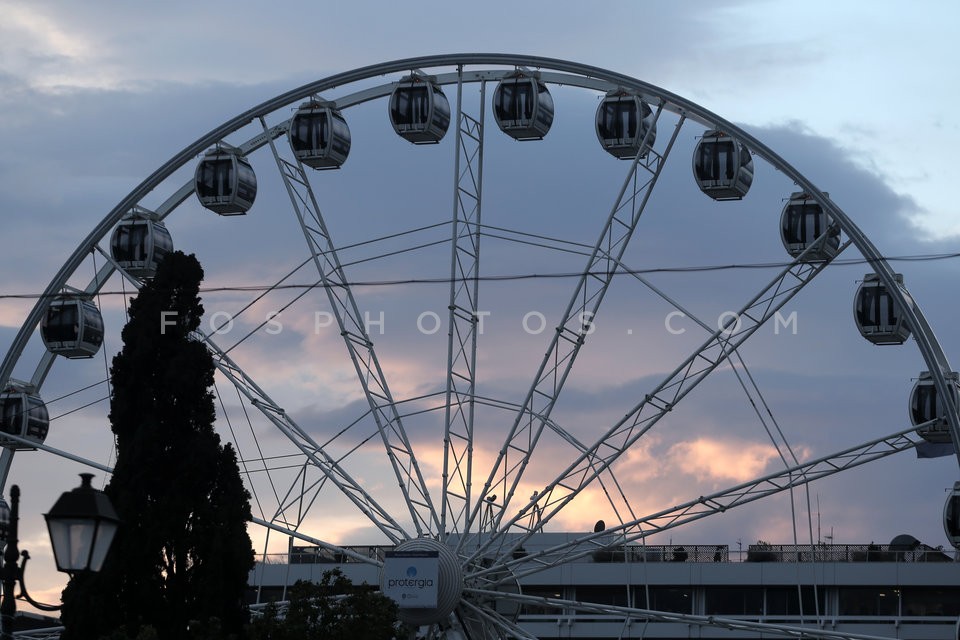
(81, 523)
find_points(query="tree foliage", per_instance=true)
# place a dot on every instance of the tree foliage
(182, 556)
(332, 609)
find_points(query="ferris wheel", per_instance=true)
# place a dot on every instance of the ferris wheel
(433, 338)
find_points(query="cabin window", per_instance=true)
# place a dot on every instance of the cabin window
(63, 323)
(619, 120)
(411, 106)
(716, 160)
(130, 243)
(215, 178)
(876, 308)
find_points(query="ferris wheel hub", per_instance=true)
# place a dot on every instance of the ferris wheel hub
(423, 570)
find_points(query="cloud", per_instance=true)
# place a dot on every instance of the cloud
(34, 39)
(717, 460)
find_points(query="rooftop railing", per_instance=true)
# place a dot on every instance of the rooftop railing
(760, 552)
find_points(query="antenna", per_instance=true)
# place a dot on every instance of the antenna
(819, 539)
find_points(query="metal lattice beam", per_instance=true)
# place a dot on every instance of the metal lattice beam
(357, 340)
(724, 341)
(704, 506)
(462, 320)
(575, 325)
(302, 440)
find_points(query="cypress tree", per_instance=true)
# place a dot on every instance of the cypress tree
(180, 561)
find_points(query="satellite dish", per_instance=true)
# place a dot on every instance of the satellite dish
(904, 542)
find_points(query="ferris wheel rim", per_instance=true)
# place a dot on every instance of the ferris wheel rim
(932, 353)
(936, 359)
(929, 347)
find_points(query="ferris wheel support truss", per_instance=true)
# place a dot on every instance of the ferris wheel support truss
(704, 506)
(357, 339)
(575, 324)
(463, 318)
(609, 447)
(302, 440)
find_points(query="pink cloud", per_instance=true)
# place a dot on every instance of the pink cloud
(709, 459)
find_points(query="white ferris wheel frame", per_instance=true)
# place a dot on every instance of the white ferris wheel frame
(462, 513)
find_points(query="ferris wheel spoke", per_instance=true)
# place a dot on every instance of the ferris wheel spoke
(463, 320)
(260, 459)
(633, 613)
(359, 345)
(488, 620)
(47, 358)
(737, 363)
(738, 367)
(57, 452)
(534, 523)
(343, 552)
(301, 496)
(42, 369)
(576, 324)
(723, 342)
(703, 506)
(302, 440)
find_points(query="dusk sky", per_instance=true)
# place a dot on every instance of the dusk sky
(95, 97)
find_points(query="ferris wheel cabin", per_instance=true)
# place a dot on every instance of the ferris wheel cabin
(139, 242)
(72, 327)
(225, 182)
(877, 314)
(951, 516)
(319, 135)
(722, 166)
(419, 110)
(23, 414)
(523, 107)
(926, 406)
(623, 121)
(802, 223)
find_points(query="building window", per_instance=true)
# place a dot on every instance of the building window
(930, 601)
(670, 599)
(869, 601)
(616, 596)
(733, 601)
(787, 601)
(542, 592)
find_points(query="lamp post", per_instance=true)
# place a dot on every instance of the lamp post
(81, 524)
